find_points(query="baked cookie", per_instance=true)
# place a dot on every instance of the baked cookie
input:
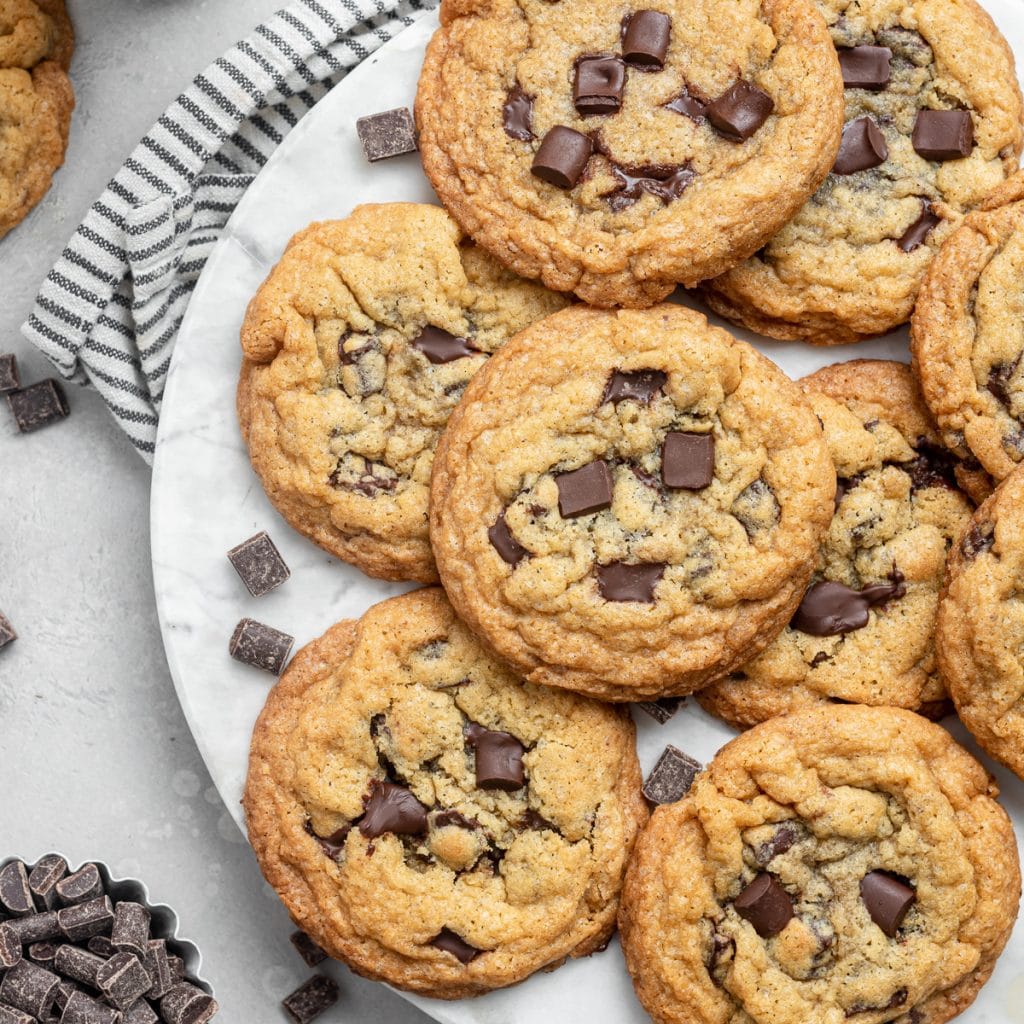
(357, 347)
(429, 818)
(933, 124)
(36, 100)
(629, 503)
(980, 628)
(841, 863)
(863, 632)
(614, 148)
(968, 334)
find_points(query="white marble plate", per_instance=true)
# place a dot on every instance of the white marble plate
(206, 499)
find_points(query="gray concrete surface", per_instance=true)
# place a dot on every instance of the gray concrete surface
(96, 758)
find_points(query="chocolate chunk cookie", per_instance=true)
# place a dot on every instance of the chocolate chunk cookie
(629, 503)
(429, 818)
(613, 148)
(357, 347)
(36, 100)
(980, 629)
(841, 863)
(863, 631)
(933, 124)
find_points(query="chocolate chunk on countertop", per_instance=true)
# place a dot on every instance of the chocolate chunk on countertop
(38, 405)
(257, 644)
(661, 710)
(310, 952)
(7, 633)
(387, 134)
(10, 380)
(259, 564)
(310, 999)
(671, 777)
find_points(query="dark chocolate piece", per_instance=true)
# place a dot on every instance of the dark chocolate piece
(28, 987)
(624, 581)
(447, 940)
(441, 347)
(391, 808)
(101, 944)
(259, 564)
(83, 920)
(10, 946)
(261, 646)
(78, 964)
(453, 818)
(536, 822)
(7, 633)
(374, 478)
(661, 710)
(44, 877)
(517, 114)
(177, 966)
(896, 1000)
(139, 1013)
(663, 182)
(334, 844)
(598, 83)
(311, 953)
(888, 898)
(934, 466)
(38, 405)
(916, 234)
(9, 1015)
(999, 377)
(84, 884)
(831, 609)
(688, 105)
(977, 541)
(862, 148)
(64, 992)
(10, 380)
(387, 134)
(585, 490)
(15, 894)
(866, 67)
(645, 38)
(311, 999)
(83, 1009)
(688, 460)
(784, 838)
(766, 905)
(499, 758)
(562, 156)
(160, 969)
(943, 134)
(350, 356)
(740, 111)
(35, 927)
(130, 933)
(42, 953)
(123, 979)
(500, 536)
(671, 777)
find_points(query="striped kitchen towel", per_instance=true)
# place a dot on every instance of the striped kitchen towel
(109, 311)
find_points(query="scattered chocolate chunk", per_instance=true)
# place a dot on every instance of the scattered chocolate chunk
(896, 1000)
(159, 968)
(35, 927)
(637, 386)
(766, 905)
(261, 646)
(45, 875)
(130, 933)
(123, 980)
(311, 953)
(441, 347)
(84, 884)
(888, 898)
(38, 405)
(517, 114)
(500, 536)
(10, 947)
(10, 380)
(943, 134)
(390, 133)
(688, 460)
(831, 609)
(688, 105)
(664, 182)
(78, 964)
(598, 83)
(671, 777)
(447, 940)
(83, 920)
(15, 894)
(645, 39)
(780, 842)
(7, 633)
(101, 944)
(866, 67)
(863, 147)
(30, 988)
(585, 490)
(623, 581)
(661, 710)
(977, 541)
(311, 999)
(562, 156)
(186, 1004)
(918, 232)
(391, 808)
(453, 818)
(9, 1015)
(259, 564)
(740, 111)
(499, 758)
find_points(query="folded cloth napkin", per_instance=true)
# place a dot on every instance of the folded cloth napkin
(110, 309)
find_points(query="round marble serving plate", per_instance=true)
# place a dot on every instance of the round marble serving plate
(206, 499)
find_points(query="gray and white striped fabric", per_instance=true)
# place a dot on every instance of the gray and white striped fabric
(110, 309)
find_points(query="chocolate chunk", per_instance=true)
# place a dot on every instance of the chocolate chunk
(9, 377)
(35, 927)
(740, 111)
(130, 933)
(310, 952)
(101, 945)
(783, 840)
(671, 777)
(916, 234)
(766, 905)
(977, 541)
(391, 808)
(83, 920)
(64, 992)
(866, 67)
(15, 894)
(9, 1015)
(261, 646)
(934, 466)
(7, 634)
(38, 405)
(123, 979)
(499, 758)
(162, 974)
(831, 609)
(29, 987)
(441, 347)
(84, 884)
(370, 477)
(637, 386)
(863, 147)
(888, 898)
(598, 84)
(622, 581)
(390, 133)
(517, 114)
(536, 822)
(259, 564)
(999, 377)
(310, 999)
(896, 1000)
(562, 156)
(177, 966)
(83, 1009)
(452, 818)
(500, 536)
(661, 710)
(447, 940)
(44, 877)
(688, 460)
(722, 949)
(688, 105)
(10, 946)
(664, 182)
(585, 490)
(943, 134)
(140, 1013)
(79, 964)
(186, 1004)
(334, 844)
(645, 38)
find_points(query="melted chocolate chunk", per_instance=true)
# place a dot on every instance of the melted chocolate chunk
(663, 182)
(500, 536)
(740, 111)
(688, 105)
(536, 822)
(562, 156)
(391, 808)
(933, 467)
(636, 385)
(447, 940)
(977, 541)
(374, 478)
(999, 380)
(862, 148)
(645, 36)
(866, 67)
(887, 898)
(783, 840)
(444, 819)
(820, 659)
(441, 347)
(722, 949)
(831, 609)
(585, 490)
(918, 232)
(620, 581)
(766, 905)
(332, 845)
(499, 758)
(598, 83)
(943, 134)
(688, 460)
(896, 1000)
(517, 114)
(350, 356)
